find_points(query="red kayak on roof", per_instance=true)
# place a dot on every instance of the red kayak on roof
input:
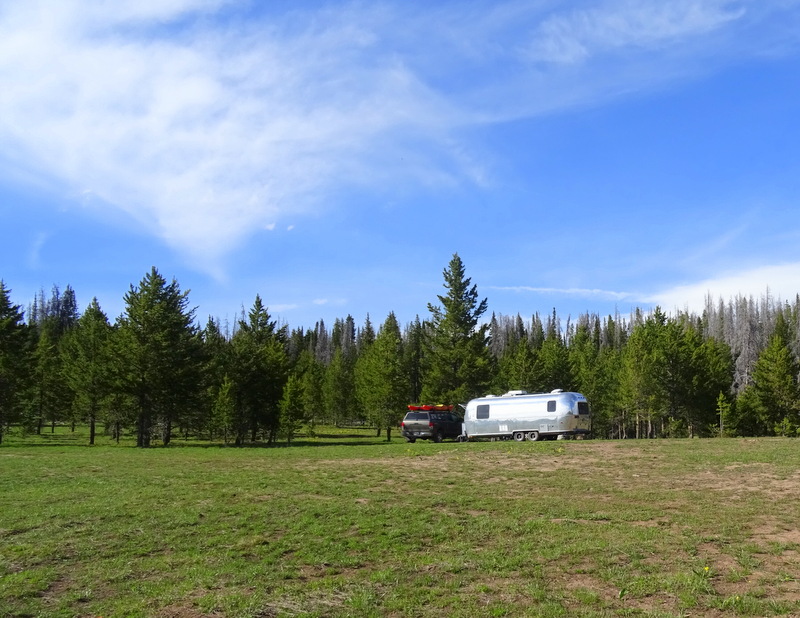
(429, 408)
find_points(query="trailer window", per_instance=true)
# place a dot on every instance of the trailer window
(551, 405)
(482, 411)
(583, 407)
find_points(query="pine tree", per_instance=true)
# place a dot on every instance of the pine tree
(553, 358)
(87, 365)
(48, 397)
(223, 410)
(292, 407)
(159, 344)
(46, 392)
(312, 376)
(458, 360)
(338, 390)
(260, 368)
(414, 351)
(641, 389)
(13, 359)
(381, 379)
(216, 365)
(775, 385)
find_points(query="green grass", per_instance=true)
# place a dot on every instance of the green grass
(345, 524)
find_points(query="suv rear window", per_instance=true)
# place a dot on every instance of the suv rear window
(417, 416)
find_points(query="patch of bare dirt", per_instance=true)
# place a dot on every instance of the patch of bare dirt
(185, 611)
(772, 530)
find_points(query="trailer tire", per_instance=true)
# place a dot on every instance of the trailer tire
(518, 436)
(533, 436)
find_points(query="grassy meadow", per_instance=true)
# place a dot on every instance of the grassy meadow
(349, 525)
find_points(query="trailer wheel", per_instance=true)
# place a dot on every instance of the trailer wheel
(533, 436)
(519, 436)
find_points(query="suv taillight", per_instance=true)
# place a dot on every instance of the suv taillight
(430, 424)
(403, 424)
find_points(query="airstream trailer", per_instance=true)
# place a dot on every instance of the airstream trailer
(520, 415)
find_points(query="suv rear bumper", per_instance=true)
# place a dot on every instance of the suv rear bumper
(421, 434)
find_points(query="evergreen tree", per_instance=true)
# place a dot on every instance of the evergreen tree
(711, 380)
(641, 389)
(49, 397)
(87, 365)
(159, 345)
(381, 378)
(583, 354)
(46, 393)
(13, 361)
(260, 368)
(414, 351)
(518, 369)
(223, 410)
(553, 358)
(216, 361)
(458, 360)
(775, 387)
(292, 407)
(338, 389)
(312, 376)
(366, 336)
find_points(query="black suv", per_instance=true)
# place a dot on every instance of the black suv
(430, 424)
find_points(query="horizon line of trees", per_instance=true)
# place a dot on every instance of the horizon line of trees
(157, 373)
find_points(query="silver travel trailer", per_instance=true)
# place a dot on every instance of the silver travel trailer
(522, 416)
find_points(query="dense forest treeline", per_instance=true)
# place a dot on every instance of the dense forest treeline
(157, 373)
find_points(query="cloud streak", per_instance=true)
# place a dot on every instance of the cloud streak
(207, 125)
(571, 292)
(578, 35)
(781, 281)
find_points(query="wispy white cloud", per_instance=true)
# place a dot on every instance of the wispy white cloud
(329, 301)
(570, 292)
(207, 133)
(34, 254)
(576, 35)
(204, 136)
(782, 281)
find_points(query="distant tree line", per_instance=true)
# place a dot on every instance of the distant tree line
(156, 373)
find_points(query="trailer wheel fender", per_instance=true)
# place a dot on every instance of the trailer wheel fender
(519, 436)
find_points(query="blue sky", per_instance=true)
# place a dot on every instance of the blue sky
(332, 156)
